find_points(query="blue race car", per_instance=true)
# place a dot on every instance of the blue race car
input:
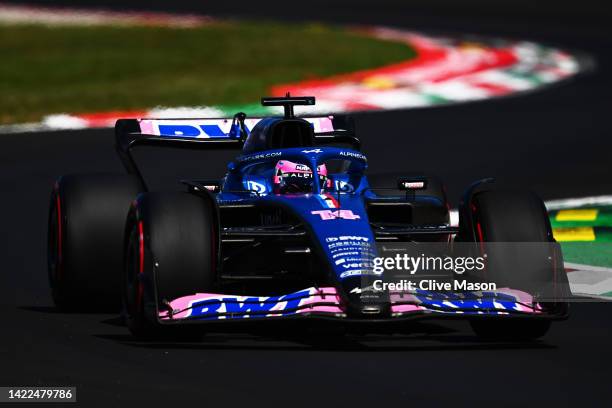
(295, 229)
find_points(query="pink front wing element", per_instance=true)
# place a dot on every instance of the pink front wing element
(213, 306)
(327, 301)
(319, 300)
(407, 302)
(401, 309)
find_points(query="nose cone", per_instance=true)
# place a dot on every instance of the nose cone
(363, 301)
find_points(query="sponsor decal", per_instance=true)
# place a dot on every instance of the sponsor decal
(358, 290)
(192, 128)
(337, 214)
(347, 238)
(207, 306)
(348, 246)
(316, 151)
(296, 175)
(259, 188)
(251, 305)
(354, 155)
(343, 186)
(260, 156)
(349, 253)
(352, 254)
(353, 259)
(357, 265)
(357, 272)
(412, 185)
(206, 131)
(302, 167)
(482, 301)
(208, 128)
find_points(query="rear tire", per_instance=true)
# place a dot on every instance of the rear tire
(85, 238)
(172, 249)
(519, 218)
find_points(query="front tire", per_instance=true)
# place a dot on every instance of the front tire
(520, 256)
(172, 250)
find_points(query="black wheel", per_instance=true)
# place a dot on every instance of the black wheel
(511, 216)
(172, 250)
(516, 233)
(85, 239)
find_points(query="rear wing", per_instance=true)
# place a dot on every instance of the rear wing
(211, 134)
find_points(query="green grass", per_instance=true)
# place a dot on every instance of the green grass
(598, 253)
(82, 69)
(588, 253)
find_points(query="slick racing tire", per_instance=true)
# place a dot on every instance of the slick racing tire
(171, 250)
(87, 216)
(519, 221)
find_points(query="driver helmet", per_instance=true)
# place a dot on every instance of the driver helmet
(296, 178)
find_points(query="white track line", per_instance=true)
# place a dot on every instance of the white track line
(13, 14)
(579, 202)
(589, 268)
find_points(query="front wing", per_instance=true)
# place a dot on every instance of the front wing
(325, 302)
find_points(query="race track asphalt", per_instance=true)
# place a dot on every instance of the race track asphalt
(556, 142)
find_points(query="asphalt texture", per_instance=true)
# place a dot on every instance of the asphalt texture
(555, 142)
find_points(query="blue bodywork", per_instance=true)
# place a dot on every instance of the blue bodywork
(329, 215)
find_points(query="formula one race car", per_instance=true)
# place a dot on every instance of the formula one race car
(293, 231)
